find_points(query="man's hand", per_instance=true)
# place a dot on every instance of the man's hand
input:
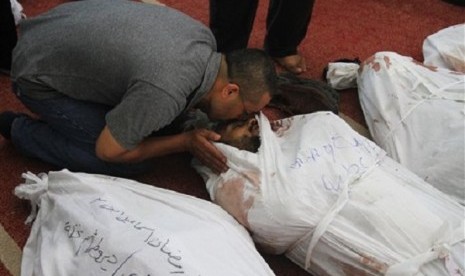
(198, 142)
(200, 145)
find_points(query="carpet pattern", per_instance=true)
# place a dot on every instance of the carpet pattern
(338, 29)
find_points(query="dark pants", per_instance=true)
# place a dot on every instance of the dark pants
(65, 135)
(287, 21)
(8, 36)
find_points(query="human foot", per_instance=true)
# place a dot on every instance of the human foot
(6, 120)
(293, 63)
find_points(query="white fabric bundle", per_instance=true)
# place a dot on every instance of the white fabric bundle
(446, 48)
(342, 75)
(100, 225)
(335, 204)
(17, 10)
(417, 114)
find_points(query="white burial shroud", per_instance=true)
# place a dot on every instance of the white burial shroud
(446, 48)
(335, 204)
(100, 225)
(416, 112)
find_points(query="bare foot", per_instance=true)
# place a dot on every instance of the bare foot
(294, 64)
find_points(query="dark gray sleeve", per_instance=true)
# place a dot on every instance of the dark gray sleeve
(143, 110)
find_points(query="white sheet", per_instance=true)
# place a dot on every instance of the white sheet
(417, 114)
(99, 225)
(446, 48)
(335, 204)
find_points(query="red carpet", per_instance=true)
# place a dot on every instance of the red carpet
(356, 28)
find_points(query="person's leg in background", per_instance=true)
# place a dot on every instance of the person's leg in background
(231, 22)
(456, 2)
(8, 35)
(65, 135)
(287, 24)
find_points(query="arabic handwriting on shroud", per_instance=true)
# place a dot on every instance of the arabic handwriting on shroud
(92, 243)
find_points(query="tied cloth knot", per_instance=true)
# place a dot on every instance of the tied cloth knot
(440, 250)
(32, 189)
(341, 201)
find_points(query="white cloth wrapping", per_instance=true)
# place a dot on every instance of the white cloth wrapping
(17, 10)
(342, 75)
(335, 204)
(446, 48)
(417, 114)
(99, 225)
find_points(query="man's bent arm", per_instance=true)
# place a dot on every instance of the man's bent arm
(198, 142)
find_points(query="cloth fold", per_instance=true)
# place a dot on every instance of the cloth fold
(101, 225)
(416, 113)
(342, 75)
(332, 201)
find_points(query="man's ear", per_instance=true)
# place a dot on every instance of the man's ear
(230, 90)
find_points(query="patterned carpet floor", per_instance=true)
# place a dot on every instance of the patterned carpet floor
(338, 29)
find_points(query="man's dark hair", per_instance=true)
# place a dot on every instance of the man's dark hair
(253, 71)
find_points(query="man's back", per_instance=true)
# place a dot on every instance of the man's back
(95, 50)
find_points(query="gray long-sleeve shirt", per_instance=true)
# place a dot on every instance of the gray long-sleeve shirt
(144, 60)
